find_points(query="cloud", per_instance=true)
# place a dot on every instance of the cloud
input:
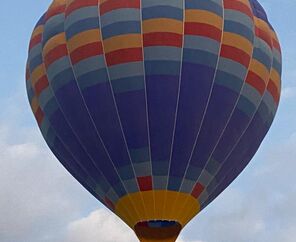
(32, 198)
(100, 226)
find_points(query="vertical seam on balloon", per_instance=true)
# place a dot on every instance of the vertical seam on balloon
(234, 108)
(146, 99)
(66, 147)
(177, 108)
(111, 87)
(85, 105)
(208, 101)
(90, 116)
(209, 97)
(178, 97)
(115, 104)
(67, 121)
(241, 136)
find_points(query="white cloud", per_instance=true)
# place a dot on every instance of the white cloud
(32, 198)
(100, 226)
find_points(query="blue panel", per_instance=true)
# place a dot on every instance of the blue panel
(53, 27)
(205, 5)
(195, 89)
(174, 183)
(77, 115)
(238, 28)
(222, 103)
(163, 12)
(35, 62)
(119, 28)
(262, 57)
(82, 25)
(92, 78)
(234, 130)
(100, 104)
(200, 57)
(133, 117)
(162, 93)
(277, 65)
(162, 67)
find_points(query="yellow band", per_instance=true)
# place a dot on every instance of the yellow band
(157, 205)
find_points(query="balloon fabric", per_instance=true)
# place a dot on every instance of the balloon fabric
(154, 106)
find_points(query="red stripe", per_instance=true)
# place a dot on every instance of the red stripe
(55, 11)
(235, 54)
(116, 4)
(124, 56)
(263, 35)
(197, 190)
(273, 91)
(27, 74)
(238, 6)
(35, 41)
(206, 30)
(86, 51)
(256, 81)
(276, 44)
(39, 115)
(80, 4)
(109, 203)
(55, 54)
(145, 183)
(163, 39)
(41, 85)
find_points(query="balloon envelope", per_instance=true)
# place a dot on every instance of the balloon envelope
(155, 107)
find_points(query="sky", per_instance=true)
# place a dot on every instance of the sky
(41, 202)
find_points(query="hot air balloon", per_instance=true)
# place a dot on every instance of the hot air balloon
(154, 106)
